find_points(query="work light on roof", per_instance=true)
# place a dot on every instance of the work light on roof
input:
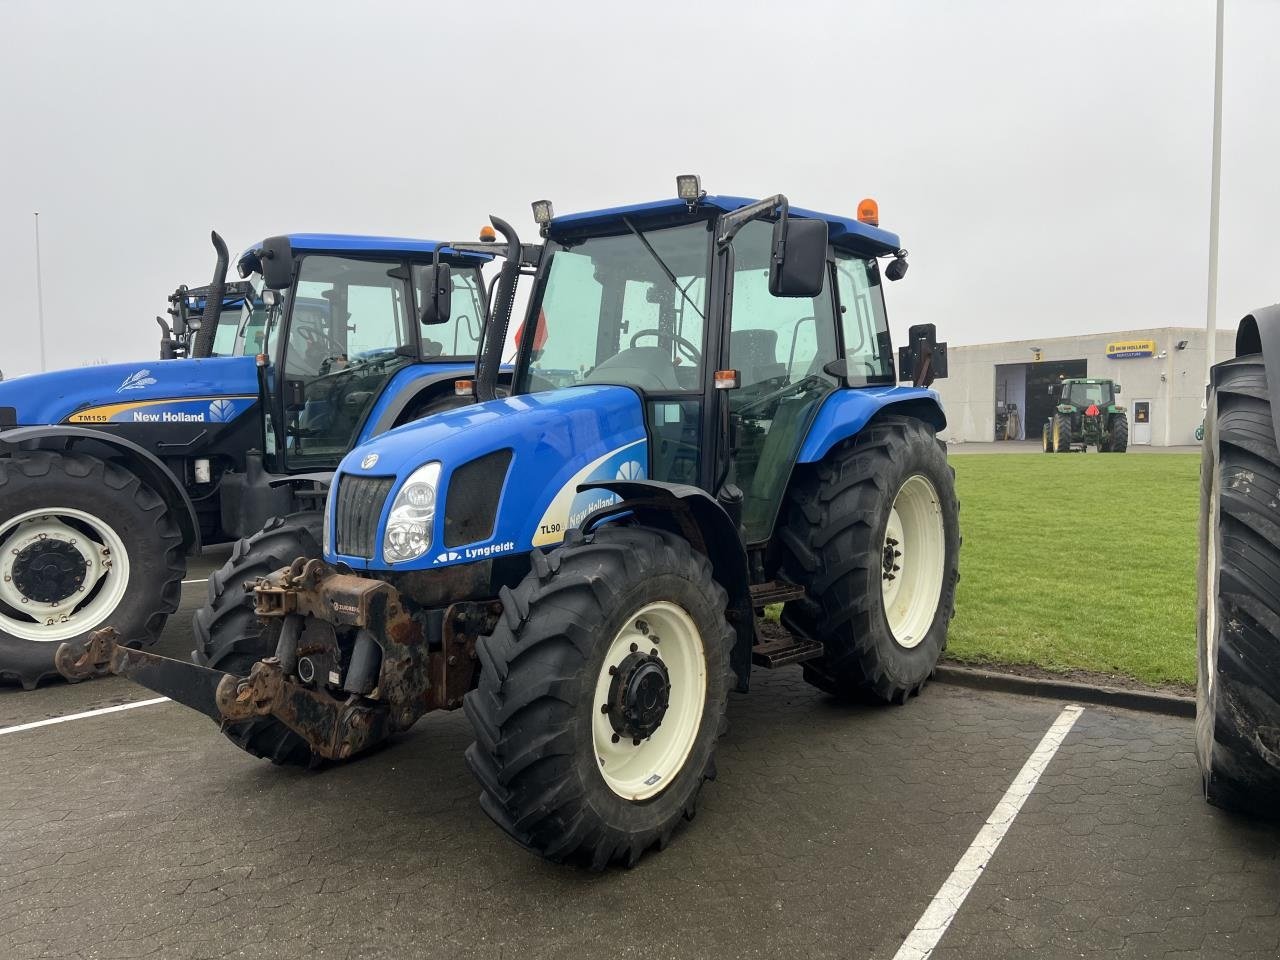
(689, 187)
(542, 212)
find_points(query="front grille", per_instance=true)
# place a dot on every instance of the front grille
(360, 501)
(472, 504)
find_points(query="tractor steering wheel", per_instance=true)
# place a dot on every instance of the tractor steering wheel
(689, 351)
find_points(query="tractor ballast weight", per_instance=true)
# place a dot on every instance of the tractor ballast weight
(579, 567)
(1238, 609)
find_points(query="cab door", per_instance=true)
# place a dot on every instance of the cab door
(779, 347)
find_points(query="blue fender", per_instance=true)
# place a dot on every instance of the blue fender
(844, 413)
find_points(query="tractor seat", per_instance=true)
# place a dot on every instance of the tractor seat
(754, 354)
(649, 368)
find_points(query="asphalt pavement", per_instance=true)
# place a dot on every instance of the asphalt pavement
(827, 834)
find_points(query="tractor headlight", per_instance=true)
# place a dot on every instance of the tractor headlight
(413, 514)
(325, 536)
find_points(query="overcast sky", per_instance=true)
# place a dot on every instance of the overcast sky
(1047, 165)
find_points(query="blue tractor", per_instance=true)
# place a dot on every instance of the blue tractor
(579, 565)
(111, 475)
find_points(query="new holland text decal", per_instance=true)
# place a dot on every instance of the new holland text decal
(569, 507)
(173, 410)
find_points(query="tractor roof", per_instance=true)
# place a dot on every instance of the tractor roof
(360, 243)
(1087, 380)
(843, 231)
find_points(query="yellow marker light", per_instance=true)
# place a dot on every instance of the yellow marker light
(869, 212)
(726, 379)
(487, 234)
(464, 388)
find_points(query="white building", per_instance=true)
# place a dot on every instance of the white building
(1160, 372)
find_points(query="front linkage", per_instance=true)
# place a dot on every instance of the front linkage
(398, 666)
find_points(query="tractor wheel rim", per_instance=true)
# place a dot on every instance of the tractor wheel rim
(657, 654)
(62, 572)
(913, 561)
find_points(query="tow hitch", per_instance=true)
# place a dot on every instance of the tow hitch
(351, 667)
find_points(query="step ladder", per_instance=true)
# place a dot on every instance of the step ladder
(784, 650)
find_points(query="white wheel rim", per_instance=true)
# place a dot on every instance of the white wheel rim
(640, 771)
(106, 574)
(913, 561)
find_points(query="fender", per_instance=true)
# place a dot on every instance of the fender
(695, 515)
(845, 412)
(146, 465)
(1259, 332)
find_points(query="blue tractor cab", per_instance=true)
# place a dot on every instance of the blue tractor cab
(244, 423)
(706, 418)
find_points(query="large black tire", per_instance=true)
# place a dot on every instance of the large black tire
(229, 638)
(533, 711)
(833, 534)
(1046, 438)
(1061, 433)
(1119, 433)
(118, 501)
(1238, 622)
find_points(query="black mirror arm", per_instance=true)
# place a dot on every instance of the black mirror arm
(732, 222)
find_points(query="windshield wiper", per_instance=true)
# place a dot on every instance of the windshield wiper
(663, 266)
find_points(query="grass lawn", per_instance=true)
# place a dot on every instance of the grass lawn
(1083, 561)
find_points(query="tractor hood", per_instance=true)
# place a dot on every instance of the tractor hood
(216, 388)
(538, 447)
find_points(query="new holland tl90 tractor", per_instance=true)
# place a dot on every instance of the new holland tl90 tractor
(578, 566)
(111, 475)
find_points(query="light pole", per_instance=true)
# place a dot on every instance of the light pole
(1215, 190)
(39, 294)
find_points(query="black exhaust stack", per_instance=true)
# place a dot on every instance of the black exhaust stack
(203, 346)
(490, 358)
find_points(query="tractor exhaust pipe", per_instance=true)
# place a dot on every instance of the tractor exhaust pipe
(490, 358)
(203, 346)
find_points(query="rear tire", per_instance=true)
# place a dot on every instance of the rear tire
(230, 638)
(837, 530)
(543, 743)
(1046, 438)
(1119, 433)
(1061, 433)
(83, 544)
(1238, 622)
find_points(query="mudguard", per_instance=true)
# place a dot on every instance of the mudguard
(844, 413)
(695, 515)
(1259, 332)
(149, 469)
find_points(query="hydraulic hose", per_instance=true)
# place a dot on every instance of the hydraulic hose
(500, 319)
(203, 346)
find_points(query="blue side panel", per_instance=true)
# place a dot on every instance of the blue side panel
(558, 440)
(44, 398)
(845, 412)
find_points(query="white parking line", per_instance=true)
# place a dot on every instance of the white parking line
(922, 940)
(80, 716)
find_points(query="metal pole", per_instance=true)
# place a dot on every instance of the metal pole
(40, 294)
(1215, 190)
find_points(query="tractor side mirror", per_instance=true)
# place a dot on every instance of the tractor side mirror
(436, 295)
(276, 263)
(802, 266)
(1117, 389)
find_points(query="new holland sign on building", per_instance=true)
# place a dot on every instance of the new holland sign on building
(1130, 349)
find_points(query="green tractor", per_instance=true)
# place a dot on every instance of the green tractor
(1087, 416)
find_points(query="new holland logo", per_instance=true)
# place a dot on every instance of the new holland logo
(448, 556)
(136, 381)
(630, 470)
(220, 411)
(369, 462)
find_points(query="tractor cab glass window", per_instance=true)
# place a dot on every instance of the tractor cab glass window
(1083, 394)
(778, 345)
(863, 321)
(240, 330)
(460, 335)
(348, 321)
(624, 310)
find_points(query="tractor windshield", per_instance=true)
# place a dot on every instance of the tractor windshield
(625, 309)
(1083, 394)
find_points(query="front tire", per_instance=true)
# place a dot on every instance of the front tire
(230, 638)
(1046, 438)
(606, 635)
(1238, 622)
(874, 536)
(83, 544)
